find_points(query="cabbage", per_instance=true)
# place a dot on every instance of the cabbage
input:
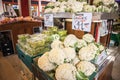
(62, 32)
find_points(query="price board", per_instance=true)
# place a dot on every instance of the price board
(48, 20)
(82, 21)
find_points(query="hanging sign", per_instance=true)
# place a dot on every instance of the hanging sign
(48, 20)
(82, 21)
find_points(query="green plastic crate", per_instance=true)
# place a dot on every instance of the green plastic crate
(28, 57)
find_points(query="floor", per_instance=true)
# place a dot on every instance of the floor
(11, 68)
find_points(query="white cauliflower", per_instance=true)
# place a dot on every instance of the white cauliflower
(66, 71)
(77, 6)
(86, 54)
(48, 10)
(56, 56)
(108, 2)
(81, 43)
(75, 60)
(103, 9)
(88, 38)
(70, 40)
(44, 63)
(57, 4)
(69, 53)
(116, 6)
(56, 44)
(63, 3)
(55, 37)
(93, 48)
(86, 67)
(55, 10)
(101, 48)
(61, 9)
(51, 4)
(97, 2)
(89, 8)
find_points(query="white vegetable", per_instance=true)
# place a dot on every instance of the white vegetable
(103, 9)
(51, 4)
(56, 44)
(55, 10)
(69, 53)
(97, 2)
(93, 48)
(89, 8)
(86, 54)
(77, 6)
(88, 38)
(86, 67)
(116, 6)
(66, 71)
(101, 48)
(108, 2)
(75, 60)
(57, 56)
(81, 43)
(57, 4)
(70, 40)
(44, 63)
(48, 10)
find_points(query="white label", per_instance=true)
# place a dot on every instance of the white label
(82, 21)
(48, 20)
(101, 57)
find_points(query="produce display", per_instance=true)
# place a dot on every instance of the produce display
(11, 20)
(36, 43)
(75, 6)
(71, 59)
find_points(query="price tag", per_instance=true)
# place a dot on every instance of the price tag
(48, 20)
(101, 57)
(82, 21)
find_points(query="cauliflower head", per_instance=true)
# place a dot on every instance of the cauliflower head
(86, 54)
(44, 63)
(86, 67)
(108, 2)
(48, 10)
(70, 40)
(97, 2)
(69, 53)
(89, 8)
(56, 44)
(81, 43)
(103, 9)
(88, 38)
(93, 48)
(66, 71)
(75, 60)
(56, 56)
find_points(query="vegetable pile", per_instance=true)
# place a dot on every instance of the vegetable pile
(37, 43)
(75, 6)
(71, 59)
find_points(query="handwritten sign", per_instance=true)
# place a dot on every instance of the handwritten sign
(82, 21)
(48, 20)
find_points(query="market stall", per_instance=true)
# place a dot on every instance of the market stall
(72, 53)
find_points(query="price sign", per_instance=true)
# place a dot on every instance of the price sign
(82, 21)
(48, 20)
